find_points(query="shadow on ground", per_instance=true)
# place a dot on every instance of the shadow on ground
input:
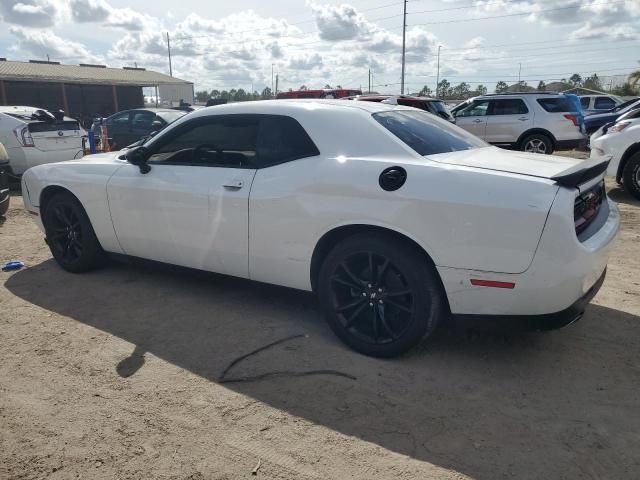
(487, 406)
(619, 195)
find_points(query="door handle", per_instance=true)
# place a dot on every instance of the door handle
(523, 119)
(478, 120)
(234, 184)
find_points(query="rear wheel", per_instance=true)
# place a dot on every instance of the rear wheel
(631, 175)
(70, 236)
(380, 296)
(537, 143)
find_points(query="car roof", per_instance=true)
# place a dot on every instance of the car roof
(288, 106)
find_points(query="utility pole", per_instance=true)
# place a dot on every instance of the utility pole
(438, 71)
(276, 92)
(519, 72)
(404, 35)
(369, 81)
(272, 92)
(169, 52)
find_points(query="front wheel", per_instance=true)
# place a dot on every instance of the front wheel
(379, 294)
(537, 143)
(631, 176)
(70, 236)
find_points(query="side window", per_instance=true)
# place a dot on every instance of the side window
(604, 103)
(508, 106)
(283, 139)
(584, 101)
(142, 119)
(121, 119)
(476, 109)
(220, 141)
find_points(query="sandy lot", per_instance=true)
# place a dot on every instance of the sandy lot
(116, 375)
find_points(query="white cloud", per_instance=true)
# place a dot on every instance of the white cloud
(307, 62)
(339, 22)
(38, 44)
(30, 13)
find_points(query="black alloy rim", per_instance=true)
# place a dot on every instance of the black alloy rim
(372, 298)
(64, 233)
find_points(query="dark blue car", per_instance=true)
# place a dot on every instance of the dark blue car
(595, 121)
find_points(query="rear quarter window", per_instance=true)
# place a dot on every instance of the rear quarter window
(54, 126)
(558, 105)
(425, 133)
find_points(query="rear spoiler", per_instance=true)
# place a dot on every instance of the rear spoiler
(573, 178)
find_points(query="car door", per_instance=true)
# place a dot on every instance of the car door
(118, 130)
(507, 119)
(473, 118)
(191, 208)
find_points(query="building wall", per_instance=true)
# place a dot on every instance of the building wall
(84, 102)
(170, 95)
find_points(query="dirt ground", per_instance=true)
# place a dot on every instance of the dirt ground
(116, 375)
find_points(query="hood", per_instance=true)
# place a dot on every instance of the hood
(522, 163)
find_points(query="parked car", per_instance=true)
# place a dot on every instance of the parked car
(532, 122)
(395, 231)
(129, 126)
(5, 196)
(621, 142)
(595, 121)
(599, 103)
(34, 136)
(431, 105)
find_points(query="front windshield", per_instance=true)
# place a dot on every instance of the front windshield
(426, 133)
(171, 115)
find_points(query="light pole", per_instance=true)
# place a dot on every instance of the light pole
(438, 71)
(404, 34)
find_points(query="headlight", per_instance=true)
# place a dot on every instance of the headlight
(618, 127)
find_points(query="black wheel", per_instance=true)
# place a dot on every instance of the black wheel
(70, 235)
(537, 143)
(631, 176)
(380, 296)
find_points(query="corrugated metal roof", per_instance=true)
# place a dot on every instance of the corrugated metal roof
(47, 72)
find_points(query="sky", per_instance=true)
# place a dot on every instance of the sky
(236, 44)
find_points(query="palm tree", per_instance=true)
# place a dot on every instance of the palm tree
(634, 78)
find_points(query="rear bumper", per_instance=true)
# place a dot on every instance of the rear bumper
(547, 321)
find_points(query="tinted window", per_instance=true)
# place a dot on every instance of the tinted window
(283, 139)
(119, 119)
(224, 141)
(508, 106)
(584, 101)
(475, 109)
(558, 104)
(142, 119)
(425, 133)
(604, 103)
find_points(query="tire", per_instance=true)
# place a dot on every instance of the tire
(70, 236)
(631, 176)
(537, 143)
(385, 314)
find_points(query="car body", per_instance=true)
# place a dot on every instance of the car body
(128, 126)
(298, 192)
(5, 196)
(599, 103)
(431, 105)
(595, 121)
(534, 122)
(34, 136)
(620, 141)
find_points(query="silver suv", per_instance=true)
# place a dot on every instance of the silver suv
(533, 122)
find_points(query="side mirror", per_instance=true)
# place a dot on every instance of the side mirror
(138, 156)
(156, 125)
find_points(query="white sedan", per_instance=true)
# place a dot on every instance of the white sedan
(397, 219)
(621, 142)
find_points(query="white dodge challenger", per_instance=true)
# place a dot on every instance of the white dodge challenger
(397, 219)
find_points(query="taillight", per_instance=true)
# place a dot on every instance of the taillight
(573, 118)
(23, 135)
(618, 127)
